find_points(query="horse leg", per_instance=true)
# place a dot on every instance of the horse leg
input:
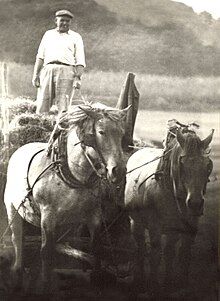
(96, 275)
(48, 224)
(18, 241)
(169, 255)
(138, 231)
(184, 257)
(154, 229)
(96, 249)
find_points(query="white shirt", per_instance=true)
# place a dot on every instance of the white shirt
(65, 47)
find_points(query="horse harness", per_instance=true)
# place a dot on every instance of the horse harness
(189, 229)
(59, 164)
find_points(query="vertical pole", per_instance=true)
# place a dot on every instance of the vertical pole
(5, 109)
(4, 80)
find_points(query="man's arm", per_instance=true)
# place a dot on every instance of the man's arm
(36, 74)
(79, 55)
(80, 61)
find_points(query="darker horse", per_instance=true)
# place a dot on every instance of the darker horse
(171, 205)
(68, 180)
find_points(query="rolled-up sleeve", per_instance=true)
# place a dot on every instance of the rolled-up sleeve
(79, 51)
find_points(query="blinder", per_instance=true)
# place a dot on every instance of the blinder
(89, 140)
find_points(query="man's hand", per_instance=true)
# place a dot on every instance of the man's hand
(77, 83)
(36, 81)
(37, 68)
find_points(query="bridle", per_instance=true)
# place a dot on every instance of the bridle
(60, 154)
(190, 229)
(89, 140)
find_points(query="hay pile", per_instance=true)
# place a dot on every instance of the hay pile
(24, 125)
(27, 128)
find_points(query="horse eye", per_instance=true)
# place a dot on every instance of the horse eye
(101, 132)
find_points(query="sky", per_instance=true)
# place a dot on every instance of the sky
(211, 6)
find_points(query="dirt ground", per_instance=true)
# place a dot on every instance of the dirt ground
(74, 284)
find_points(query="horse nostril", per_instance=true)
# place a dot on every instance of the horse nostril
(195, 206)
(115, 171)
(116, 174)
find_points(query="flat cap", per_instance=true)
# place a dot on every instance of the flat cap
(64, 12)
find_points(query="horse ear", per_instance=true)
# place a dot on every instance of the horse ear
(89, 111)
(123, 112)
(207, 140)
(180, 138)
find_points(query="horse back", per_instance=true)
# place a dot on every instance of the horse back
(19, 161)
(16, 185)
(141, 187)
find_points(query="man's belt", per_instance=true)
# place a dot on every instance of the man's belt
(58, 63)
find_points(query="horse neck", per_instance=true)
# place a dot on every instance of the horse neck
(177, 188)
(171, 165)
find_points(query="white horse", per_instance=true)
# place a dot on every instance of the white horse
(66, 180)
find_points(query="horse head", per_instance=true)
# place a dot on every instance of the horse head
(190, 170)
(101, 133)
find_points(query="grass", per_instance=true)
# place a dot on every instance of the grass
(196, 94)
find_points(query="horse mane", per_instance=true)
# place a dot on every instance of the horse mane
(77, 117)
(192, 147)
(193, 144)
(77, 114)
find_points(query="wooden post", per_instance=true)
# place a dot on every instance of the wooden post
(5, 109)
(4, 80)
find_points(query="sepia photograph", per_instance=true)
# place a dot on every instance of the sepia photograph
(109, 150)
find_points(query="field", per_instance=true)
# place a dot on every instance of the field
(151, 126)
(161, 99)
(183, 94)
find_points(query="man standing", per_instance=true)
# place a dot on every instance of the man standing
(59, 63)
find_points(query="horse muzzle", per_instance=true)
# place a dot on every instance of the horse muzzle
(195, 207)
